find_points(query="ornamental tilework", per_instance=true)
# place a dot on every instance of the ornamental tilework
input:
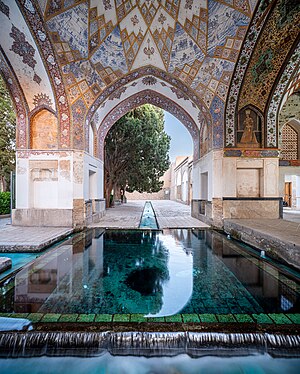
(154, 98)
(253, 33)
(101, 45)
(268, 57)
(217, 113)
(32, 17)
(78, 114)
(18, 98)
(272, 114)
(254, 77)
(72, 27)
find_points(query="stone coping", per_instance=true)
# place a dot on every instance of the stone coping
(251, 320)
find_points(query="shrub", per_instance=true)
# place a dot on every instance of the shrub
(4, 202)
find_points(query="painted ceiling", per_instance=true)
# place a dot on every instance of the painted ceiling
(101, 41)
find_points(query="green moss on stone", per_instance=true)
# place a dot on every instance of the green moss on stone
(19, 315)
(156, 319)
(137, 318)
(280, 318)
(174, 318)
(103, 318)
(121, 318)
(295, 318)
(208, 318)
(190, 318)
(68, 318)
(35, 317)
(86, 318)
(243, 318)
(225, 318)
(51, 317)
(262, 318)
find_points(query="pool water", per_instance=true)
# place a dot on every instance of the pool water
(182, 364)
(151, 273)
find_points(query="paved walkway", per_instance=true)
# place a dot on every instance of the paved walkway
(29, 239)
(169, 214)
(291, 215)
(173, 215)
(278, 237)
(124, 216)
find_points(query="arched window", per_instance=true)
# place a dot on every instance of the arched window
(289, 149)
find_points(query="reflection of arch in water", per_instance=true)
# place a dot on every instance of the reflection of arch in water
(178, 289)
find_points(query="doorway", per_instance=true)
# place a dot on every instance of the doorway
(288, 194)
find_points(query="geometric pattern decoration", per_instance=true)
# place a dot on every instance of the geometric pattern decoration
(268, 43)
(147, 97)
(289, 147)
(116, 38)
(252, 35)
(272, 114)
(32, 17)
(21, 107)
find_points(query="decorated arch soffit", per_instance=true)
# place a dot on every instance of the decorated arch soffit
(19, 101)
(147, 96)
(28, 48)
(101, 42)
(138, 81)
(268, 45)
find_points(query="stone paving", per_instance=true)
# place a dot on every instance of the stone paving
(291, 215)
(174, 215)
(124, 216)
(30, 239)
(169, 214)
(279, 238)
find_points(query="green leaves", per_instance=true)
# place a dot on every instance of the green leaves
(7, 135)
(4, 203)
(136, 151)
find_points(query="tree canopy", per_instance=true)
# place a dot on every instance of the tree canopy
(7, 136)
(136, 151)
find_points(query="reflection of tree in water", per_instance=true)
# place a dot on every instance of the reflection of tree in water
(135, 266)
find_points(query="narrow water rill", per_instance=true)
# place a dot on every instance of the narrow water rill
(148, 219)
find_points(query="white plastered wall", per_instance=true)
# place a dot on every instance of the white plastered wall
(290, 174)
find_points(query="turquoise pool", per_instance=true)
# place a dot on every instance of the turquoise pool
(182, 364)
(152, 273)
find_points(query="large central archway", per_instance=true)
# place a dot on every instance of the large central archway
(147, 97)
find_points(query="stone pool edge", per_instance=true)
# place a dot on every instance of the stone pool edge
(272, 322)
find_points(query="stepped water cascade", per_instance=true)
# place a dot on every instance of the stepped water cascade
(147, 344)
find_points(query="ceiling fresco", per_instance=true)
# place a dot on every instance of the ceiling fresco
(21, 50)
(79, 57)
(100, 41)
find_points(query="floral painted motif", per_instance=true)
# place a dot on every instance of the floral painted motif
(22, 48)
(4, 8)
(149, 81)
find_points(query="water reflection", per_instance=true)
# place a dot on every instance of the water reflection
(151, 273)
